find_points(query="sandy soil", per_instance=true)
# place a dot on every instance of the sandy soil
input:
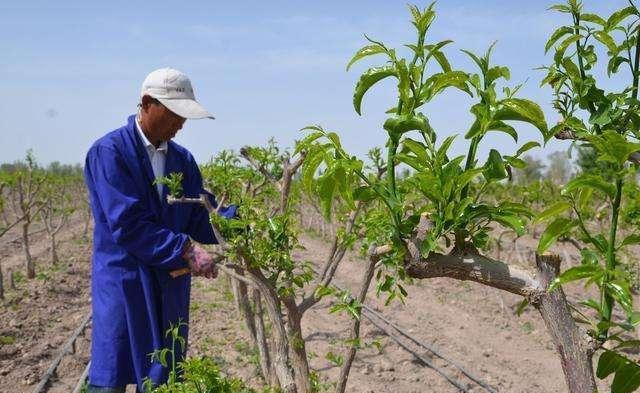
(469, 323)
(41, 314)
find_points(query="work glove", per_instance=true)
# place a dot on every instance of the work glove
(200, 261)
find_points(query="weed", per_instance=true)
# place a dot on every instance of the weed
(7, 340)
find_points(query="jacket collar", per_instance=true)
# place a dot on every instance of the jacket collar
(138, 156)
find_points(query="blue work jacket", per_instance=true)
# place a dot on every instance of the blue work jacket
(138, 239)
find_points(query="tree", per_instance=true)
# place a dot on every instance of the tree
(266, 279)
(531, 172)
(560, 169)
(25, 185)
(441, 234)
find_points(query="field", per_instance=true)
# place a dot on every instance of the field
(419, 267)
(474, 326)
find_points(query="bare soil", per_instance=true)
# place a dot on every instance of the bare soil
(469, 323)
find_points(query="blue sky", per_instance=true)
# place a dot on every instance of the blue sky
(70, 70)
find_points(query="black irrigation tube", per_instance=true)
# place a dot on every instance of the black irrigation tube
(68, 347)
(421, 358)
(369, 312)
(430, 349)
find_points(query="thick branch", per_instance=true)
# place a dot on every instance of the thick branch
(289, 169)
(474, 267)
(574, 348)
(244, 152)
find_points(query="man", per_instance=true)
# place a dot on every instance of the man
(139, 239)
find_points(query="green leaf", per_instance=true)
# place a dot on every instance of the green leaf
(417, 148)
(592, 303)
(619, 16)
(368, 79)
(627, 372)
(515, 162)
(572, 69)
(564, 45)
(526, 147)
(365, 51)
(559, 33)
(631, 239)
(607, 41)
(494, 167)
(509, 221)
(398, 125)
(498, 125)
(364, 194)
(522, 306)
(553, 211)
(479, 61)
(634, 318)
(561, 8)
(326, 189)
(592, 181)
(576, 273)
(522, 110)
(621, 293)
(614, 64)
(557, 228)
(440, 81)
(497, 72)
(593, 18)
(613, 147)
(436, 53)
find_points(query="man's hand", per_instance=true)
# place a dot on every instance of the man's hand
(200, 262)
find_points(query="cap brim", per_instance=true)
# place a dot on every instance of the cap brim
(187, 108)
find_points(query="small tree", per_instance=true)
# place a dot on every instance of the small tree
(560, 169)
(58, 203)
(265, 276)
(531, 172)
(25, 184)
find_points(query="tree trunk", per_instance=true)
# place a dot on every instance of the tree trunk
(281, 346)
(297, 347)
(1, 283)
(54, 250)
(31, 269)
(355, 328)
(261, 340)
(574, 349)
(244, 308)
(12, 283)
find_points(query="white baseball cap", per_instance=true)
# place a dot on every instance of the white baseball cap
(173, 89)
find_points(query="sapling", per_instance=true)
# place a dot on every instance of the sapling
(440, 217)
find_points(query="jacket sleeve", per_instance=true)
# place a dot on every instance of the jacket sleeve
(130, 220)
(199, 225)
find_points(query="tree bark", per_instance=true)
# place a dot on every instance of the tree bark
(54, 250)
(31, 269)
(261, 340)
(465, 265)
(244, 308)
(281, 347)
(574, 348)
(297, 346)
(1, 282)
(12, 282)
